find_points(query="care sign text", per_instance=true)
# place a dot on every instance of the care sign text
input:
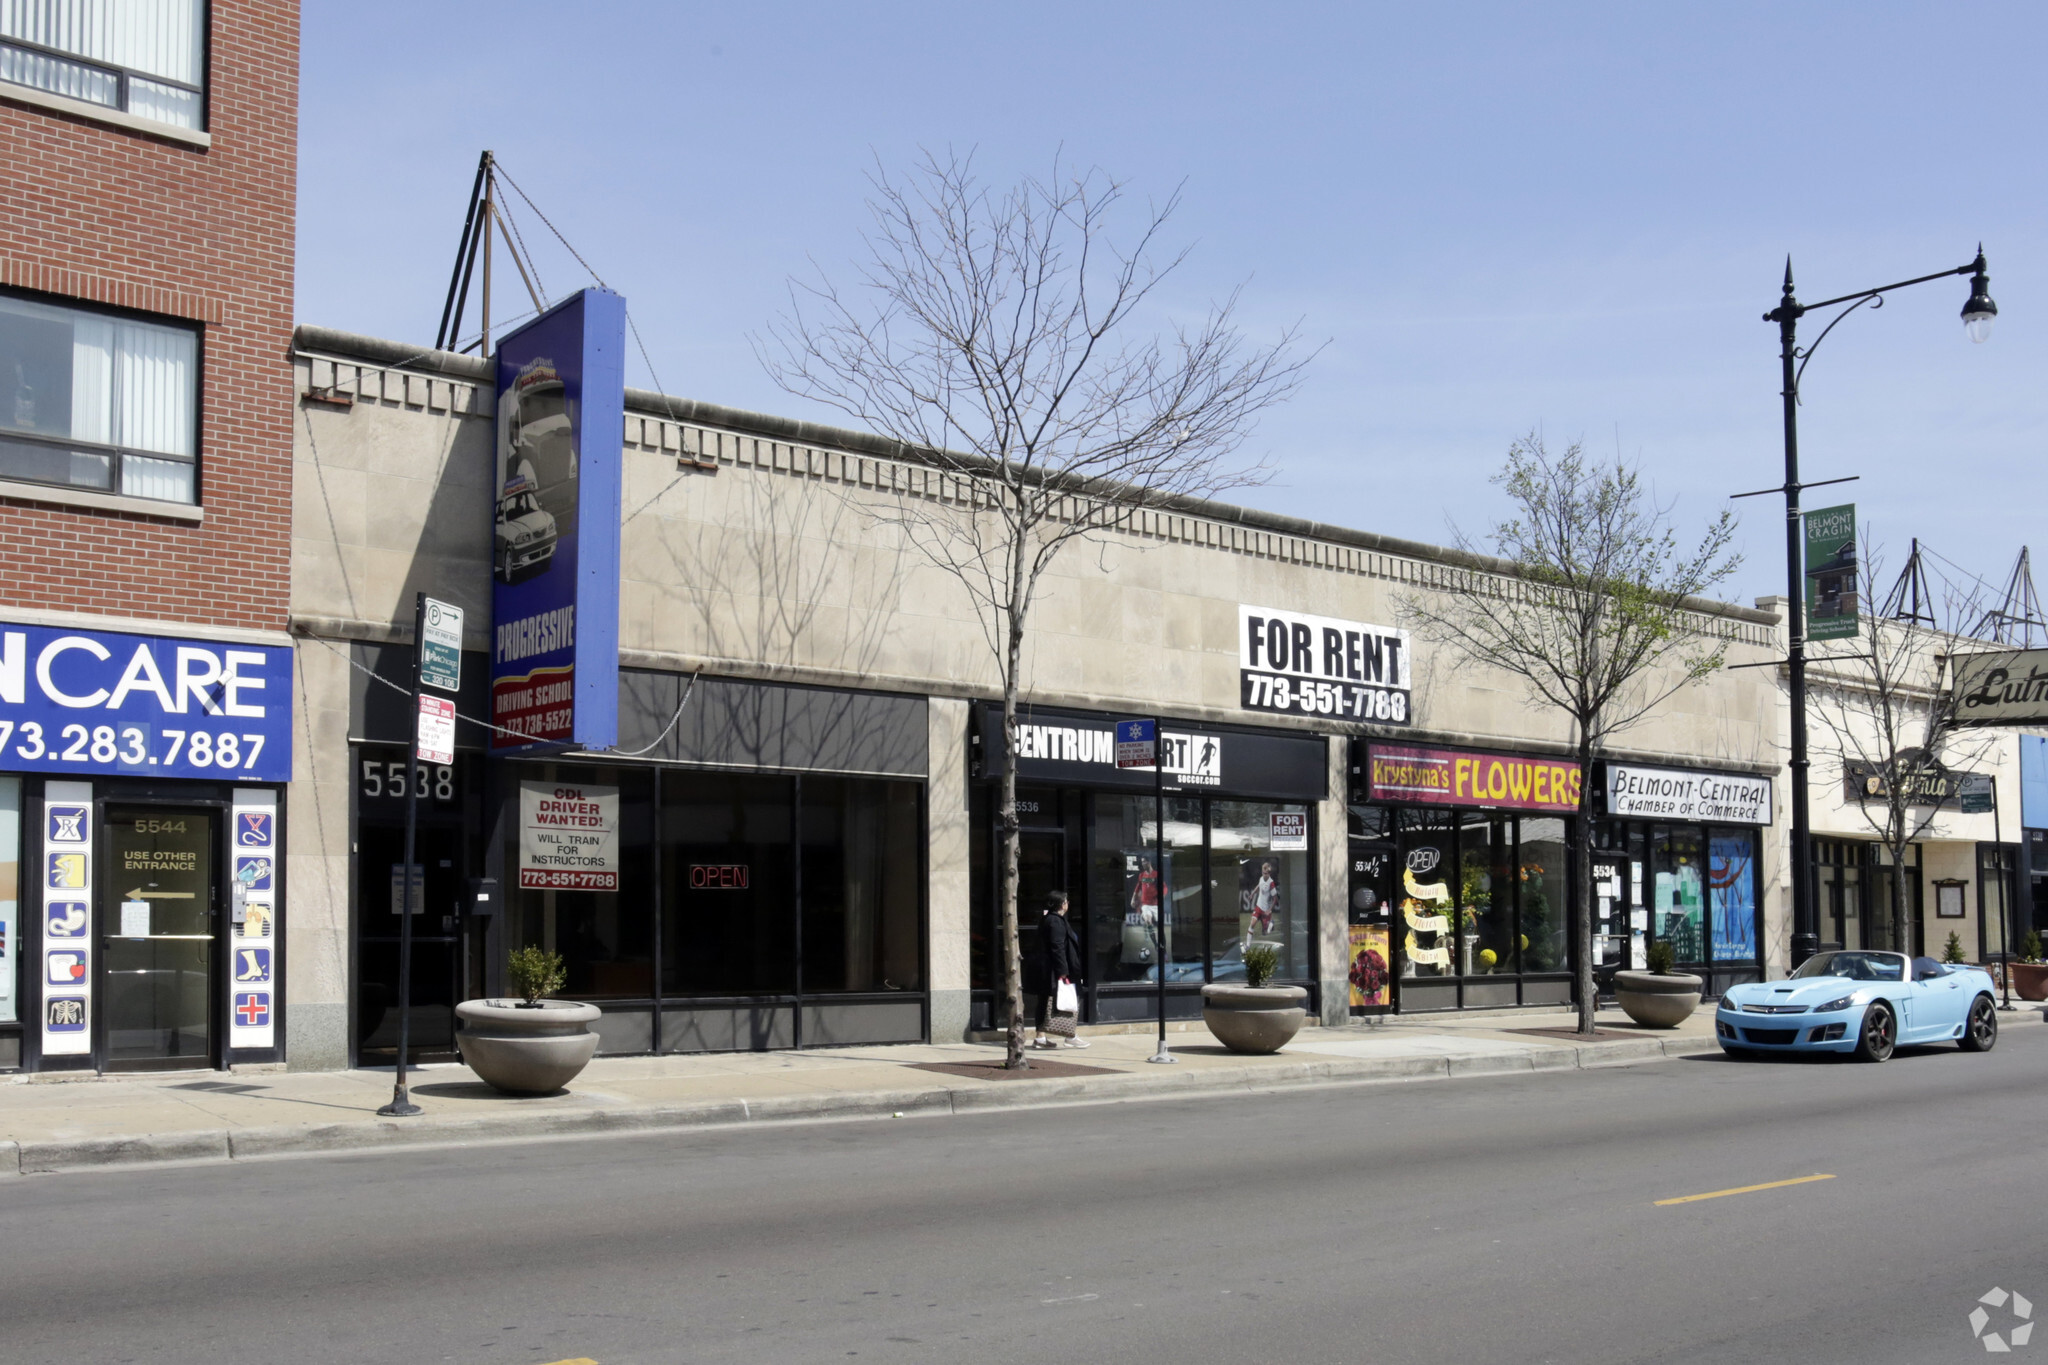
(1293, 664)
(79, 702)
(568, 836)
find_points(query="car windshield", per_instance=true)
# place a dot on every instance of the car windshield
(1854, 966)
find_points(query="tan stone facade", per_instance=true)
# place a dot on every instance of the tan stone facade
(757, 548)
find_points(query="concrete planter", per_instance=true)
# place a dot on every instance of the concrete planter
(526, 1051)
(2030, 979)
(1248, 1019)
(1658, 1000)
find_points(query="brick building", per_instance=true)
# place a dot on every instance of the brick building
(146, 257)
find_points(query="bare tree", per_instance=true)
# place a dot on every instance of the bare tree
(1596, 609)
(1888, 716)
(997, 336)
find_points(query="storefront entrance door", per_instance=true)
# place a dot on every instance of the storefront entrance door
(157, 939)
(1614, 933)
(436, 941)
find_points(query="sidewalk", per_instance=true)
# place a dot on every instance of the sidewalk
(50, 1125)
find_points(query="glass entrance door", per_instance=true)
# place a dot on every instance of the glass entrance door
(157, 953)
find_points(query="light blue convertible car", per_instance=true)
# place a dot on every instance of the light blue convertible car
(1861, 1002)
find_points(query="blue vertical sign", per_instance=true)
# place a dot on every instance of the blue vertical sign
(555, 546)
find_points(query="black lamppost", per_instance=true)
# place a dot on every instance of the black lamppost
(1978, 314)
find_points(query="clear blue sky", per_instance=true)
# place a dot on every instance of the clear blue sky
(1501, 217)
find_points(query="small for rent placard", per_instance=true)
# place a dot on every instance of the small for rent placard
(568, 836)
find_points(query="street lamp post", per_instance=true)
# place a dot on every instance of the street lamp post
(1978, 314)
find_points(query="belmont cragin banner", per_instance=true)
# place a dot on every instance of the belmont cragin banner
(1399, 773)
(2002, 688)
(80, 702)
(1686, 794)
(568, 836)
(1294, 664)
(555, 544)
(1831, 569)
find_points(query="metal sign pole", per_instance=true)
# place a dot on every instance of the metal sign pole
(401, 1105)
(1163, 893)
(2005, 881)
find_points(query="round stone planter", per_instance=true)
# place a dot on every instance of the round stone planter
(526, 1051)
(1247, 1019)
(1658, 1000)
(2030, 979)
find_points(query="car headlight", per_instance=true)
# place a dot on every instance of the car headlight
(1831, 1006)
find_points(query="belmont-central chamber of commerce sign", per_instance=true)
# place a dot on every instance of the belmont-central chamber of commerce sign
(1685, 794)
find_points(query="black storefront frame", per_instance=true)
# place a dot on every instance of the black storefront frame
(1077, 818)
(503, 799)
(1633, 840)
(1461, 984)
(792, 716)
(130, 791)
(1288, 767)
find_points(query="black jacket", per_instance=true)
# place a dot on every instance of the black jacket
(1058, 955)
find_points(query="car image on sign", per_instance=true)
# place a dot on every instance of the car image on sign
(1863, 1003)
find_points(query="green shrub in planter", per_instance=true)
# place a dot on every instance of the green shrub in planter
(1661, 957)
(535, 972)
(2030, 947)
(1952, 951)
(1261, 960)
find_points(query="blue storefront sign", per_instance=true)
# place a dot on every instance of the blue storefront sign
(555, 538)
(85, 702)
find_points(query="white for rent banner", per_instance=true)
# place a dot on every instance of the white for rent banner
(568, 836)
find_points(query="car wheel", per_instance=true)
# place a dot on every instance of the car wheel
(1880, 1035)
(505, 567)
(1981, 1033)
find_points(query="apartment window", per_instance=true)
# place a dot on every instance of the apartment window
(94, 400)
(141, 57)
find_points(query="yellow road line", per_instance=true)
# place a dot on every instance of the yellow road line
(577, 1360)
(1745, 1189)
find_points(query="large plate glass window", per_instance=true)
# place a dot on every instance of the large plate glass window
(1127, 888)
(585, 876)
(1428, 923)
(1546, 892)
(1259, 886)
(146, 58)
(96, 401)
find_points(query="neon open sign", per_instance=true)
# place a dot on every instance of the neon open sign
(718, 876)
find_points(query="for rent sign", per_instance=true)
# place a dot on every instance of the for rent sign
(1294, 664)
(1407, 775)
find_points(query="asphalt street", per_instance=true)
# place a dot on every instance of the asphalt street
(1480, 1220)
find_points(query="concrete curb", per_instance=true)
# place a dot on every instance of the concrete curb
(225, 1144)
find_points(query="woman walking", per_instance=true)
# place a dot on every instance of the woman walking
(1058, 959)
